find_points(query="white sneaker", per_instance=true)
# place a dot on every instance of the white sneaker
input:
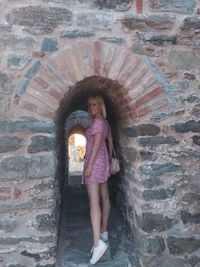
(104, 236)
(98, 251)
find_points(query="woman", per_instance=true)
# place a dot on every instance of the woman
(96, 172)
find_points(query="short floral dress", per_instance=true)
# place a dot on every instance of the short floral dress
(101, 166)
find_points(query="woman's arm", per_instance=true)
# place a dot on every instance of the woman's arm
(95, 149)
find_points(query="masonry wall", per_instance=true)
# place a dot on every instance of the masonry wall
(159, 192)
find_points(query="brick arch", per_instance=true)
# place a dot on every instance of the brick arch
(139, 92)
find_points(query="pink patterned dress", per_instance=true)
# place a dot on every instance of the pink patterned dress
(101, 166)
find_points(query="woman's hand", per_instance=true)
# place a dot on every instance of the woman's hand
(88, 171)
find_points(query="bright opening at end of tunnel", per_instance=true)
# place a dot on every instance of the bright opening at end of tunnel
(76, 148)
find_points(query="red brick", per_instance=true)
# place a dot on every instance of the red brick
(29, 106)
(41, 82)
(143, 111)
(97, 55)
(38, 54)
(56, 94)
(16, 192)
(139, 6)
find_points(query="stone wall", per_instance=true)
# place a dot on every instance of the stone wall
(146, 55)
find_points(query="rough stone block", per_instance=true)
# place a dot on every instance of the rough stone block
(41, 143)
(178, 6)
(160, 169)
(33, 70)
(146, 155)
(45, 222)
(196, 140)
(21, 87)
(9, 143)
(119, 5)
(152, 182)
(150, 222)
(142, 130)
(38, 256)
(196, 110)
(97, 21)
(17, 42)
(178, 246)
(187, 217)
(29, 125)
(112, 39)
(159, 194)
(158, 39)
(166, 261)
(39, 16)
(49, 45)
(158, 140)
(191, 23)
(189, 126)
(76, 33)
(8, 225)
(6, 84)
(18, 62)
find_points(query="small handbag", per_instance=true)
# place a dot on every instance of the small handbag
(114, 164)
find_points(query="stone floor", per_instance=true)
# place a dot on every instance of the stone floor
(75, 237)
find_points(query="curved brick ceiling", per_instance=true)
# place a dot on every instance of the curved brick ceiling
(125, 77)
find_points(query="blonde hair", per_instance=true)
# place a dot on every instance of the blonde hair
(101, 101)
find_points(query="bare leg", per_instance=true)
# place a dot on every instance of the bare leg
(95, 211)
(104, 194)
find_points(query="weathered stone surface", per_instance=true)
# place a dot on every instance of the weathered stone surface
(159, 194)
(41, 143)
(45, 222)
(146, 155)
(28, 125)
(9, 143)
(181, 85)
(21, 87)
(191, 198)
(49, 45)
(183, 60)
(158, 140)
(15, 265)
(39, 30)
(150, 222)
(191, 23)
(120, 5)
(141, 130)
(189, 126)
(192, 99)
(6, 86)
(76, 33)
(112, 39)
(17, 42)
(178, 246)
(8, 225)
(196, 140)
(45, 265)
(5, 27)
(17, 240)
(158, 39)
(160, 169)
(166, 261)
(196, 110)
(147, 23)
(149, 183)
(40, 255)
(189, 76)
(39, 16)
(28, 168)
(179, 6)
(154, 245)
(101, 21)
(33, 70)
(187, 217)
(132, 154)
(18, 61)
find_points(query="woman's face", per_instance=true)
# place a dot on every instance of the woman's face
(94, 107)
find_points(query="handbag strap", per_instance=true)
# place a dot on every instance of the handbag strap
(113, 150)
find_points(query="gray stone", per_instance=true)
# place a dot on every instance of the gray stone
(76, 33)
(158, 140)
(45, 265)
(160, 169)
(18, 62)
(152, 182)
(28, 168)
(9, 143)
(189, 76)
(138, 49)
(39, 30)
(21, 87)
(142, 130)
(146, 155)
(179, 6)
(17, 42)
(39, 16)
(6, 86)
(41, 143)
(15, 265)
(49, 45)
(196, 110)
(192, 99)
(5, 27)
(158, 39)
(33, 70)
(29, 125)
(150, 222)
(159, 194)
(189, 126)
(178, 246)
(181, 85)
(100, 21)
(45, 222)
(119, 5)
(187, 217)
(154, 245)
(17, 240)
(166, 261)
(191, 23)
(8, 225)
(148, 23)
(40, 255)
(196, 140)
(112, 39)
(183, 60)
(131, 154)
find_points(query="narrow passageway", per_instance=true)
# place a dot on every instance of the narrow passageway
(75, 238)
